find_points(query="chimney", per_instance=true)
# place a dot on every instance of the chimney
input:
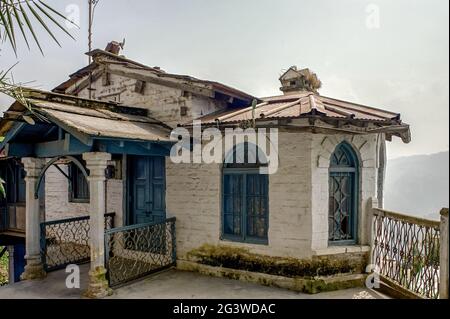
(113, 47)
(295, 81)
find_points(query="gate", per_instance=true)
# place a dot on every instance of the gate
(65, 242)
(136, 251)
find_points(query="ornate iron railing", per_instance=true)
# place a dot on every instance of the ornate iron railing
(66, 241)
(406, 251)
(136, 251)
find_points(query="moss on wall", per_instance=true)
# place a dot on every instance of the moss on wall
(242, 259)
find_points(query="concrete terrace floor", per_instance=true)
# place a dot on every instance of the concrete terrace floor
(171, 284)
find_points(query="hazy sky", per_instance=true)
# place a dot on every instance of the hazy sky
(398, 62)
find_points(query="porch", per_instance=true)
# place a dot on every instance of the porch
(172, 284)
(89, 143)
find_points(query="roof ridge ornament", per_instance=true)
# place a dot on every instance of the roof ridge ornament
(304, 80)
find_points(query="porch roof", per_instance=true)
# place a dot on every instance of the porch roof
(90, 117)
(102, 123)
(85, 120)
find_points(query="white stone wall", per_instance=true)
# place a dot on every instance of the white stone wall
(366, 148)
(194, 197)
(57, 205)
(298, 197)
(163, 102)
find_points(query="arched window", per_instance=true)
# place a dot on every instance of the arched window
(343, 190)
(245, 212)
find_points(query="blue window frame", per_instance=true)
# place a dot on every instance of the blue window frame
(245, 214)
(343, 196)
(78, 185)
(14, 176)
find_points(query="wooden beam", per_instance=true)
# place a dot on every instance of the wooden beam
(13, 131)
(68, 146)
(85, 83)
(134, 148)
(19, 150)
(86, 139)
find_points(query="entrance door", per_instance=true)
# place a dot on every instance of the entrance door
(147, 189)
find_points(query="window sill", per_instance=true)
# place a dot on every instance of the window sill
(335, 250)
(260, 242)
(79, 201)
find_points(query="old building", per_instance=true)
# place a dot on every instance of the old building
(101, 143)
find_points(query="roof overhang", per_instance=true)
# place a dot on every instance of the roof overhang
(315, 113)
(104, 61)
(65, 125)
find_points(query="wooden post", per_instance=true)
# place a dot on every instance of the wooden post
(443, 255)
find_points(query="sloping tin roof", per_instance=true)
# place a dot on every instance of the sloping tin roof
(302, 104)
(93, 118)
(216, 86)
(103, 124)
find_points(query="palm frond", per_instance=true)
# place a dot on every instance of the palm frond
(14, 17)
(2, 188)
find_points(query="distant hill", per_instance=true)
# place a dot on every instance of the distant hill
(418, 185)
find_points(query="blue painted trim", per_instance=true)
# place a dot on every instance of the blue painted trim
(19, 149)
(84, 138)
(71, 146)
(134, 148)
(17, 127)
(244, 238)
(355, 171)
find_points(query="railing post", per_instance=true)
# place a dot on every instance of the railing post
(107, 248)
(174, 242)
(443, 255)
(373, 203)
(44, 245)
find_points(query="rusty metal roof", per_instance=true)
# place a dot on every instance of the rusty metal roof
(302, 104)
(93, 118)
(309, 104)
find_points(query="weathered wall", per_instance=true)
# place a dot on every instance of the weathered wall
(57, 205)
(164, 103)
(194, 197)
(366, 148)
(298, 198)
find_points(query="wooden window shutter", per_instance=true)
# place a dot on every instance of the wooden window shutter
(139, 87)
(106, 79)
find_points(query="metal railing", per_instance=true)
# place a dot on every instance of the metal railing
(66, 241)
(406, 251)
(136, 251)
